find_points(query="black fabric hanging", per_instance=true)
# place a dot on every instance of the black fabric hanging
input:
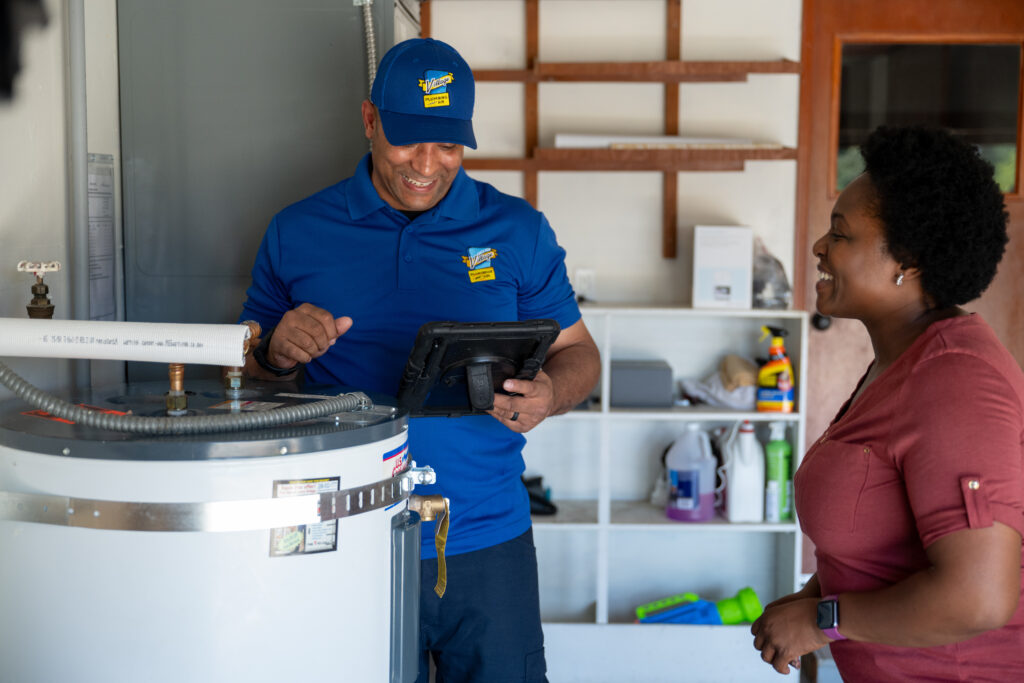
(15, 15)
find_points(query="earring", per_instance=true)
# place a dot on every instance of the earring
(899, 280)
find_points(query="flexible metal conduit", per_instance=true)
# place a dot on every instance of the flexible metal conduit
(202, 424)
(371, 41)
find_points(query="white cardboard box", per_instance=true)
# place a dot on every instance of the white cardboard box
(722, 266)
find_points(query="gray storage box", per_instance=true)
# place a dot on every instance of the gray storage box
(641, 384)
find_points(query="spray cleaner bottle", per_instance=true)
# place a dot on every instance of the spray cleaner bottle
(778, 491)
(775, 381)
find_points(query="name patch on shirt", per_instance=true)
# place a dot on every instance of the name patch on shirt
(479, 263)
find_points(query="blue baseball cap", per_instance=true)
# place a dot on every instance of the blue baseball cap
(424, 92)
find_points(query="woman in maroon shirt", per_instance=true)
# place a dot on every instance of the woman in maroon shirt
(914, 495)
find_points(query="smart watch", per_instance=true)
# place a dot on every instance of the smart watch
(259, 354)
(828, 617)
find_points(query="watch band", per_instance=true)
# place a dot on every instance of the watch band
(833, 631)
(259, 354)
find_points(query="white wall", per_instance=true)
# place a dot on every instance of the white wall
(34, 167)
(33, 183)
(623, 210)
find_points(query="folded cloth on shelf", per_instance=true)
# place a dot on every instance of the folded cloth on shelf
(733, 385)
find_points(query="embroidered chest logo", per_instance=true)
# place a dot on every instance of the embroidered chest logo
(435, 86)
(479, 263)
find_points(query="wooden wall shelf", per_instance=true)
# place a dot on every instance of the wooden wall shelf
(669, 71)
(667, 160)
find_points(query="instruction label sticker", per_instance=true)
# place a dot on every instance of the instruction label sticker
(304, 539)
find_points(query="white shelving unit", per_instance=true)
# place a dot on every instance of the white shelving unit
(608, 549)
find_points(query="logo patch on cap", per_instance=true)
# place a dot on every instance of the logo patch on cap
(435, 84)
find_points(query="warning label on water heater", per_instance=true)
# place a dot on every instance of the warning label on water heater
(304, 539)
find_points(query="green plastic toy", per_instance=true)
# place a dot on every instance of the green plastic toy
(688, 608)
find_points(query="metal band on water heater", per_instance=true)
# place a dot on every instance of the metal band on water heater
(237, 515)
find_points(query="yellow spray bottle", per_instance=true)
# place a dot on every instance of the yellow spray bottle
(775, 381)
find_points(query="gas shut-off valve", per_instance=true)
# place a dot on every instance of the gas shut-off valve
(40, 306)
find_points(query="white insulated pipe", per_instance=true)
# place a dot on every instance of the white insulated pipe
(111, 340)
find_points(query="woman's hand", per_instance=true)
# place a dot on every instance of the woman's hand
(811, 589)
(788, 629)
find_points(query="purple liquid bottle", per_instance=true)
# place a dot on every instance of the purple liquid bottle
(691, 477)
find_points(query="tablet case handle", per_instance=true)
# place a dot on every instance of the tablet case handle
(480, 384)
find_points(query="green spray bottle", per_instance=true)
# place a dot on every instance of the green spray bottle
(778, 490)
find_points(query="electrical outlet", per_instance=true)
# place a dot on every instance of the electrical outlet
(585, 281)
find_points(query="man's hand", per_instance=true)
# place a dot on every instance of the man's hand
(570, 372)
(787, 630)
(304, 333)
(535, 401)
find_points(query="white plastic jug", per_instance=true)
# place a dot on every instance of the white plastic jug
(691, 477)
(743, 474)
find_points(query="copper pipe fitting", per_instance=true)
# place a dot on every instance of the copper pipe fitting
(254, 335)
(176, 372)
(176, 399)
(428, 507)
(233, 382)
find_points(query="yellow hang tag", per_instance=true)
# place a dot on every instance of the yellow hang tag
(440, 539)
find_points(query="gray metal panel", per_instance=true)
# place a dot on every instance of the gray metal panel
(405, 597)
(230, 111)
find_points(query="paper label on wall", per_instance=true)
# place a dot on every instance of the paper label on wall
(101, 238)
(304, 539)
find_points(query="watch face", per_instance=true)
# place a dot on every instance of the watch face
(827, 617)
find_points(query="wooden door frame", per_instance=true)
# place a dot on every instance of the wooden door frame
(917, 28)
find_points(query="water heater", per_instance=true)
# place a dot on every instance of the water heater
(264, 555)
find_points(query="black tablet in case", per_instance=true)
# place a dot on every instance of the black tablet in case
(456, 368)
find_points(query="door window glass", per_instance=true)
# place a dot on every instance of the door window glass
(972, 90)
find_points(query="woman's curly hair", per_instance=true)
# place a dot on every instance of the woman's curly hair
(941, 208)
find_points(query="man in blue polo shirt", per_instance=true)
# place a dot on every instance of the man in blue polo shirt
(345, 278)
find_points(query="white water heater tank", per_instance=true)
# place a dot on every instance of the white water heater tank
(178, 558)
